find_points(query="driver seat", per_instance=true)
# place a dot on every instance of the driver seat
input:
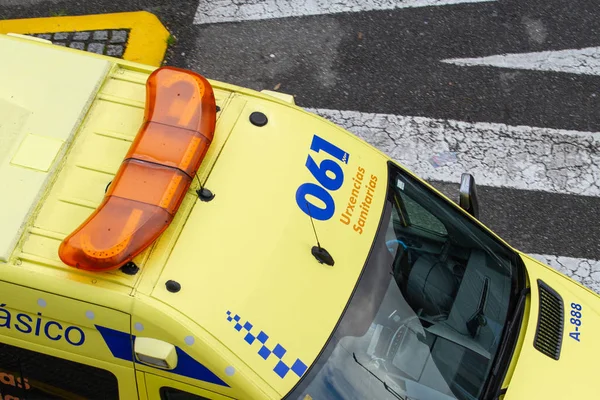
(431, 286)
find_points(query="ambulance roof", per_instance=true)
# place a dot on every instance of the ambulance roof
(243, 260)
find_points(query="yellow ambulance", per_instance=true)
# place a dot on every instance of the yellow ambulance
(168, 237)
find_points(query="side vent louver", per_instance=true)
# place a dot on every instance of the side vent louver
(549, 331)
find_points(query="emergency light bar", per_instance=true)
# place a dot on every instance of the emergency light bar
(178, 127)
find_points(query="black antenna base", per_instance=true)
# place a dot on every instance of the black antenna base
(130, 268)
(322, 255)
(205, 194)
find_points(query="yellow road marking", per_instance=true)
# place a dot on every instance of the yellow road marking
(147, 42)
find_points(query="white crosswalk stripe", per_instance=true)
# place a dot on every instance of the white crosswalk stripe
(518, 157)
(231, 10)
(584, 271)
(574, 61)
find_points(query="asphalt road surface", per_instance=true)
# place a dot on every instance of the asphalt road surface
(507, 90)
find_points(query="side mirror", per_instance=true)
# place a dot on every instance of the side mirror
(468, 195)
(155, 352)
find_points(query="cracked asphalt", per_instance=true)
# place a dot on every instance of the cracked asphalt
(500, 155)
(389, 62)
(585, 272)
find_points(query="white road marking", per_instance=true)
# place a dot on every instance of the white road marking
(215, 11)
(575, 61)
(586, 272)
(519, 157)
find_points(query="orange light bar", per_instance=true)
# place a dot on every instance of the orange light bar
(178, 128)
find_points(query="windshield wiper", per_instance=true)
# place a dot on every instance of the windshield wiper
(478, 319)
(504, 348)
(385, 385)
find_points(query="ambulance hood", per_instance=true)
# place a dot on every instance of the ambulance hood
(573, 375)
(244, 259)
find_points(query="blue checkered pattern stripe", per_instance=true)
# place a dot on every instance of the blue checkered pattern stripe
(281, 369)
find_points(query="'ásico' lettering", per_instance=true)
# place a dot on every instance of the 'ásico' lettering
(52, 330)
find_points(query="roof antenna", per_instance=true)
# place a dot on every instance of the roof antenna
(203, 193)
(317, 251)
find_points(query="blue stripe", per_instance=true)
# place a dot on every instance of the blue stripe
(120, 345)
(191, 368)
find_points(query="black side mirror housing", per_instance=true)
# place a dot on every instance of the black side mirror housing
(468, 195)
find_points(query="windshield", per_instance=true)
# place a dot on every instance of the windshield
(427, 316)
